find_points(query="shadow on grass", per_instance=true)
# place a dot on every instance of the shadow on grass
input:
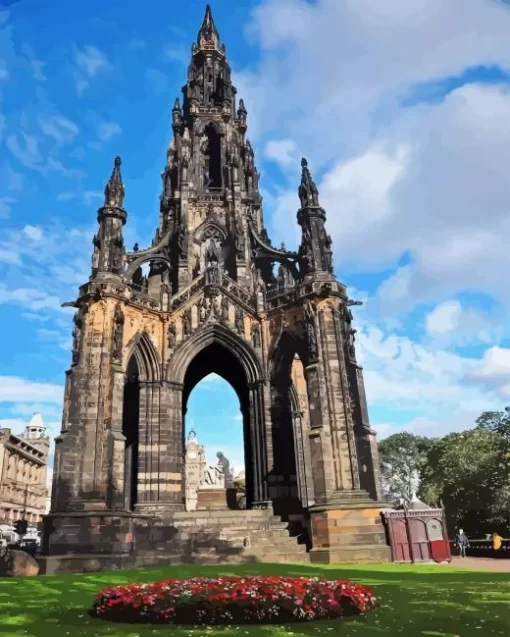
(414, 600)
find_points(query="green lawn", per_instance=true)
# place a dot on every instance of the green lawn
(436, 600)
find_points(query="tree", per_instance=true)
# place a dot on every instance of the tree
(402, 460)
(497, 421)
(468, 471)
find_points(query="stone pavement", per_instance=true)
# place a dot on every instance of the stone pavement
(482, 564)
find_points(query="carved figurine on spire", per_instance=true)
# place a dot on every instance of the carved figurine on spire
(208, 36)
(114, 191)
(308, 193)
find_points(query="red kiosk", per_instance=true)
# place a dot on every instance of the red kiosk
(417, 533)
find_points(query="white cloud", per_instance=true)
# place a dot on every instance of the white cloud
(403, 374)
(33, 232)
(92, 61)
(33, 299)
(5, 207)
(59, 128)
(426, 180)
(14, 389)
(444, 318)
(107, 130)
(282, 151)
(493, 372)
(10, 257)
(429, 427)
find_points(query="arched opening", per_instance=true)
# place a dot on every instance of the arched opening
(130, 429)
(212, 158)
(212, 362)
(214, 424)
(292, 480)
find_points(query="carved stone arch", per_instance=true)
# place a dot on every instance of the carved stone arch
(215, 334)
(146, 356)
(209, 122)
(202, 232)
(282, 351)
(134, 265)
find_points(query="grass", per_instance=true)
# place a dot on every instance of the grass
(435, 600)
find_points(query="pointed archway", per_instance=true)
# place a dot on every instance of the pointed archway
(215, 349)
(142, 370)
(290, 427)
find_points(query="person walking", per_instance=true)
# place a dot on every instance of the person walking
(496, 541)
(462, 542)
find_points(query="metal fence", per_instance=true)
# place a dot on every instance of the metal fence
(484, 548)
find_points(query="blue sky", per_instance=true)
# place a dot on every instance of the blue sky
(403, 115)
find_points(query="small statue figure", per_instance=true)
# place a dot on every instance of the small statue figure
(182, 242)
(171, 336)
(350, 342)
(76, 338)
(239, 242)
(255, 335)
(310, 330)
(186, 322)
(308, 193)
(118, 332)
(224, 307)
(239, 322)
(202, 311)
(212, 275)
(328, 254)
(96, 242)
(136, 247)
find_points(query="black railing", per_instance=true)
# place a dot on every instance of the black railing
(484, 548)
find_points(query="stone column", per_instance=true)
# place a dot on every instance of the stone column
(320, 441)
(116, 443)
(258, 446)
(161, 451)
(171, 447)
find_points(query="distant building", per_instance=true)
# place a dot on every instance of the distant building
(23, 472)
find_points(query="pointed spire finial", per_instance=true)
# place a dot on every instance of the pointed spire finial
(114, 191)
(308, 192)
(208, 36)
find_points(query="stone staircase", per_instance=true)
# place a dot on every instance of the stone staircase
(218, 537)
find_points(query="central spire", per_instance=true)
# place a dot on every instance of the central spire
(208, 37)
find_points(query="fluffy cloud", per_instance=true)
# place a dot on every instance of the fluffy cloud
(92, 61)
(408, 171)
(15, 390)
(450, 323)
(107, 130)
(33, 232)
(59, 128)
(493, 372)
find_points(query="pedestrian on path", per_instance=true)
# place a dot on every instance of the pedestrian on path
(462, 542)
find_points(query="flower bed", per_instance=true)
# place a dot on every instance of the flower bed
(233, 600)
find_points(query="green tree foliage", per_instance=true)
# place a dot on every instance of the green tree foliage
(498, 421)
(403, 458)
(469, 472)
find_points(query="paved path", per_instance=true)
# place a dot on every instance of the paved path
(482, 564)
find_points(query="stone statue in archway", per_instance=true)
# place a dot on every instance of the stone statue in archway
(219, 476)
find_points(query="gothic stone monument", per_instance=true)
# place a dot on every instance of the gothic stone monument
(208, 301)
(195, 466)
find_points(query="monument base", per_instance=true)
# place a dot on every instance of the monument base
(216, 499)
(349, 530)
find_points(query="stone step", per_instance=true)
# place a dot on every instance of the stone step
(355, 539)
(234, 524)
(223, 514)
(351, 554)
